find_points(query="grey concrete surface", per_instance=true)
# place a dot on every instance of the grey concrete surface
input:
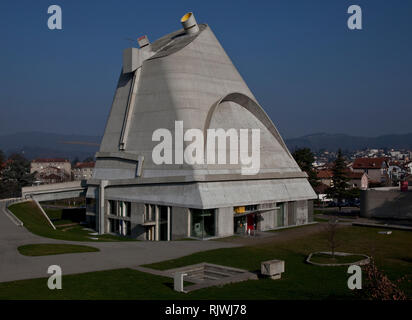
(386, 203)
(55, 191)
(112, 255)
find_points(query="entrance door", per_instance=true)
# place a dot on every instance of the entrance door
(164, 220)
(240, 224)
(250, 222)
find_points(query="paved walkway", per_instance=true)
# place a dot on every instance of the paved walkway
(112, 255)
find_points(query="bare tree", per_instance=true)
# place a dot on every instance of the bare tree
(379, 287)
(331, 232)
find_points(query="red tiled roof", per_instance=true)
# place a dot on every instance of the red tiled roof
(5, 163)
(50, 160)
(368, 163)
(324, 174)
(354, 175)
(81, 165)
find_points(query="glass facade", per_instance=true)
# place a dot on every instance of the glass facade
(90, 204)
(245, 219)
(240, 225)
(163, 228)
(119, 227)
(203, 223)
(112, 207)
(122, 210)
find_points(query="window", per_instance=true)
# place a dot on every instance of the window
(91, 204)
(203, 223)
(251, 207)
(149, 212)
(113, 226)
(112, 207)
(152, 212)
(163, 223)
(128, 208)
(128, 228)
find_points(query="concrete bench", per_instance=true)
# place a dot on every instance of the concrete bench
(273, 268)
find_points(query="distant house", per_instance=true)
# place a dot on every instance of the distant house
(83, 170)
(325, 176)
(358, 180)
(375, 168)
(408, 167)
(321, 190)
(51, 170)
(355, 179)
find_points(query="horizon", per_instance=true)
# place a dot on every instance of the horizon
(304, 61)
(286, 137)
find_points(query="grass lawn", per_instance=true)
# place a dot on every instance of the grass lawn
(300, 280)
(327, 258)
(51, 249)
(35, 222)
(55, 215)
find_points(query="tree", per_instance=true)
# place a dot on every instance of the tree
(16, 174)
(89, 159)
(379, 287)
(305, 158)
(75, 160)
(2, 157)
(331, 231)
(339, 180)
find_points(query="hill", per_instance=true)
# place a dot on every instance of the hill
(44, 145)
(332, 142)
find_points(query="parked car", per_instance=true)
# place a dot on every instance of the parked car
(354, 203)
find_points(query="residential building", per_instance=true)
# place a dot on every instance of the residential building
(51, 170)
(83, 170)
(375, 168)
(325, 176)
(355, 179)
(358, 180)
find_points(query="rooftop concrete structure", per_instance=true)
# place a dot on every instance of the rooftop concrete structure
(187, 76)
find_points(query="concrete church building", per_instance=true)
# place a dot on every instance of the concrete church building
(187, 76)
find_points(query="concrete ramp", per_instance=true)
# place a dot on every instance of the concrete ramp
(56, 191)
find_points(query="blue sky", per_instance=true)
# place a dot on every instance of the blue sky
(306, 68)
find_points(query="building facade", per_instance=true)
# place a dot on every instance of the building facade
(375, 168)
(83, 170)
(186, 77)
(51, 170)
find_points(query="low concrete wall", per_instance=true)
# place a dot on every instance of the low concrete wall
(386, 203)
